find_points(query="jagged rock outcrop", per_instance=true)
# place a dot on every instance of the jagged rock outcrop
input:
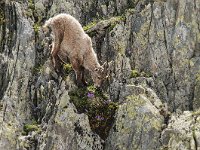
(183, 132)
(68, 130)
(152, 48)
(17, 60)
(138, 120)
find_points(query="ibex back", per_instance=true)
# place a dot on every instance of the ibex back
(70, 38)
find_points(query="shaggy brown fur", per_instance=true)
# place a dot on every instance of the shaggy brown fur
(70, 38)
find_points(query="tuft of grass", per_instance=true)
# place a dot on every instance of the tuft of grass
(91, 89)
(90, 25)
(97, 106)
(113, 22)
(30, 127)
(198, 76)
(134, 74)
(67, 68)
(36, 27)
(31, 4)
(118, 19)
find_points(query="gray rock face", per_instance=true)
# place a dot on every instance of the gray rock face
(182, 132)
(162, 41)
(157, 39)
(68, 130)
(138, 121)
(17, 53)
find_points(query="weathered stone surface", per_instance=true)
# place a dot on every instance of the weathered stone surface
(158, 38)
(68, 130)
(196, 102)
(138, 121)
(183, 132)
(155, 49)
(17, 53)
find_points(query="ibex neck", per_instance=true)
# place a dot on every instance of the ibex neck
(91, 62)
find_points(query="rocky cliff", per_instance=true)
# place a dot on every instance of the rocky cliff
(150, 100)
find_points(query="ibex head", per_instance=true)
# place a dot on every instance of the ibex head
(99, 75)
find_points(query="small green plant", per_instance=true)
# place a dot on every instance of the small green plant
(31, 4)
(198, 76)
(119, 18)
(36, 27)
(67, 68)
(97, 106)
(30, 127)
(134, 74)
(91, 89)
(38, 69)
(115, 21)
(90, 25)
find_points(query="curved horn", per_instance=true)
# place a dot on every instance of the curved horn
(104, 64)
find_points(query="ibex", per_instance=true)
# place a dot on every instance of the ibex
(70, 38)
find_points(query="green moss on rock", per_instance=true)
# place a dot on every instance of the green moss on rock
(108, 23)
(90, 25)
(198, 76)
(36, 27)
(30, 127)
(67, 68)
(134, 73)
(31, 4)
